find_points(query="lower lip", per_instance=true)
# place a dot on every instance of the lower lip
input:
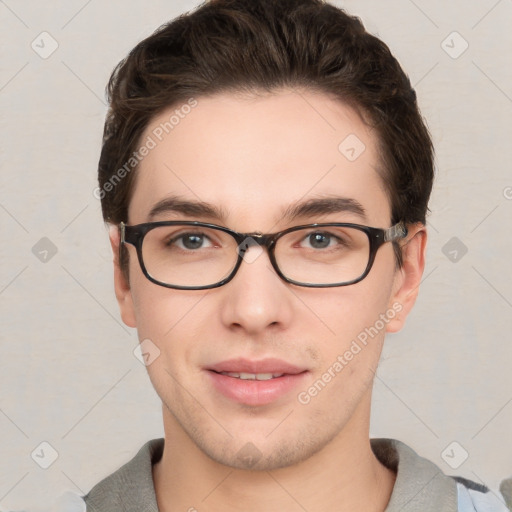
(255, 392)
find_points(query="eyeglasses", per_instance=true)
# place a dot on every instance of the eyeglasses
(190, 255)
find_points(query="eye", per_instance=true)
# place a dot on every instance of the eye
(190, 241)
(323, 239)
(319, 240)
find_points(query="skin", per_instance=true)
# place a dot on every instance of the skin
(254, 156)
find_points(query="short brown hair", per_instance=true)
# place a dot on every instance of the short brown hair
(264, 45)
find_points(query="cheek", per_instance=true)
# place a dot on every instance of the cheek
(350, 323)
(166, 322)
(353, 328)
(163, 314)
(344, 313)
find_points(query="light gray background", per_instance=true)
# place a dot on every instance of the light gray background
(68, 375)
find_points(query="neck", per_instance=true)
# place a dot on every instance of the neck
(344, 475)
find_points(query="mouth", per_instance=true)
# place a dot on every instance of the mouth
(253, 376)
(255, 382)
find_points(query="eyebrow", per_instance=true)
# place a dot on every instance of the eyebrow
(308, 208)
(324, 206)
(189, 208)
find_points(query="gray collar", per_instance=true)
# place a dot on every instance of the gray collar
(130, 488)
(420, 485)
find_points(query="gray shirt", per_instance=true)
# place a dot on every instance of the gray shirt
(420, 485)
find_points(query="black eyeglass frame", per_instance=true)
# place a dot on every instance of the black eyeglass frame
(134, 235)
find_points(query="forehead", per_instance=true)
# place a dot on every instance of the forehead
(255, 156)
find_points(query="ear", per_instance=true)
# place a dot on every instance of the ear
(408, 277)
(121, 286)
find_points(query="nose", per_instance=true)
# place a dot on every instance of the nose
(256, 298)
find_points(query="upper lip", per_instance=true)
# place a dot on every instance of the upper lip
(241, 365)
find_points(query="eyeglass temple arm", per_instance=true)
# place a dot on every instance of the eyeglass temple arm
(395, 232)
(122, 232)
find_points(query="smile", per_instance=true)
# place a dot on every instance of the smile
(253, 376)
(256, 383)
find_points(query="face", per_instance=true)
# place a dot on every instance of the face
(252, 158)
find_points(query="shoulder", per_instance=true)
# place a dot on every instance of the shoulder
(422, 486)
(506, 491)
(130, 488)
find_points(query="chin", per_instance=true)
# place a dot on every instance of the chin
(259, 453)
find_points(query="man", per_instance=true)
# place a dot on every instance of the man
(266, 173)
